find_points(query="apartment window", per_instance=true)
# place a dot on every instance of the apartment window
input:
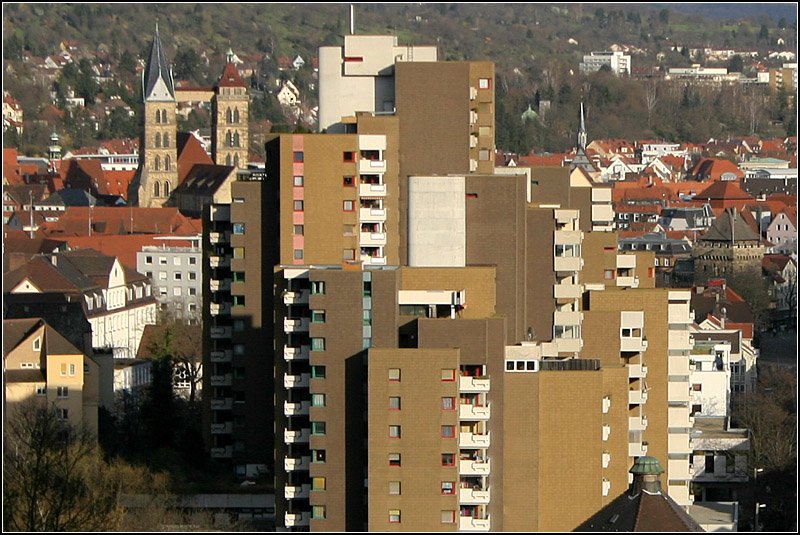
(238, 252)
(366, 317)
(177, 275)
(41, 390)
(238, 349)
(298, 254)
(394, 374)
(448, 459)
(448, 404)
(318, 287)
(448, 488)
(72, 369)
(394, 516)
(238, 200)
(348, 230)
(176, 291)
(37, 343)
(608, 274)
(162, 275)
(448, 375)
(238, 276)
(298, 230)
(176, 260)
(148, 259)
(192, 261)
(317, 483)
(317, 511)
(394, 403)
(348, 156)
(317, 428)
(483, 155)
(149, 274)
(317, 344)
(484, 83)
(62, 391)
(317, 400)
(298, 180)
(318, 372)
(317, 316)
(448, 431)
(348, 181)
(162, 260)
(697, 387)
(394, 431)
(394, 459)
(394, 488)
(348, 254)
(63, 414)
(318, 456)
(448, 517)
(238, 300)
(298, 206)
(238, 325)
(348, 206)
(238, 228)
(297, 156)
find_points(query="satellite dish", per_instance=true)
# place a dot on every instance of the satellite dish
(530, 334)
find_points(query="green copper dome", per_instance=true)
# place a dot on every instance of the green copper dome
(647, 465)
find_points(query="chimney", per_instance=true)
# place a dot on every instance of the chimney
(645, 476)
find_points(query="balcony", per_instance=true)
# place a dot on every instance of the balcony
(473, 496)
(637, 397)
(679, 469)
(296, 381)
(217, 261)
(567, 318)
(679, 313)
(372, 238)
(299, 436)
(680, 340)
(219, 237)
(222, 404)
(568, 237)
(474, 468)
(298, 297)
(222, 453)
(472, 440)
(293, 520)
(220, 285)
(632, 345)
(296, 353)
(568, 345)
(473, 412)
(467, 523)
(370, 167)
(222, 380)
(220, 333)
(372, 190)
(220, 212)
(637, 423)
(568, 291)
(294, 492)
(296, 409)
(628, 282)
(637, 449)
(602, 212)
(567, 264)
(678, 391)
(679, 443)
(225, 428)
(221, 356)
(469, 384)
(566, 217)
(220, 309)
(295, 325)
(373, 260)
(679, 365)
(637, 371)
(372, 214)
(626, 261)
(292, 464)
(678, 417)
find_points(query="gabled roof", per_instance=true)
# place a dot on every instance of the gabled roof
(122, 246)
(70, 197)
(714, 169)
(46, 277)
(16, 331)
(157, 81)
(230, 77)
(204, 179)
(120, 220)
(190, 153)
(724, 190)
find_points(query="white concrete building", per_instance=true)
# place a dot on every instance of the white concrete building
(619, 63)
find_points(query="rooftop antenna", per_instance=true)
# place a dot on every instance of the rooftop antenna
(31, 224)
(352, 20)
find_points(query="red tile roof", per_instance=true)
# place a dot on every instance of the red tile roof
(542, 160)
(190, 152)
(724, 190)
(230, 77)
(119, 220)
(122, 246)
(713, 169)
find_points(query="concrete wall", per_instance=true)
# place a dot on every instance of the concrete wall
(436, 222)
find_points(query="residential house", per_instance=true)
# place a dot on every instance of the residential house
(782, 231)
(781, 271)
(288, 95)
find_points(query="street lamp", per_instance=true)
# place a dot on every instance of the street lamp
(759, 506)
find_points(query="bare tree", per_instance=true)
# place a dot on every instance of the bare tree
(650, 99)
(754, 103)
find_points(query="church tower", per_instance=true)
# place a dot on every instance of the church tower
(230, 140)
(157, 177)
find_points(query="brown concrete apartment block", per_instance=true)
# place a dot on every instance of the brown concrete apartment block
(477, 281)
(406, 493)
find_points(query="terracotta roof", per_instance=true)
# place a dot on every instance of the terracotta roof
(121, 220)
(116, 182)
(713, 169)
(46, 277)
(724, 190)
(204, 178)
(122, 246)
(230, 77)
(190, 153)
(542, 160)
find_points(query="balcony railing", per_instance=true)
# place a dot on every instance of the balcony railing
(222, 453)
(222, 404)
(637, 449)
(219, 237)
(293, 325)
(299, 436)
(293, 492)
(372, 238)
(296, 353)
(218, 333)
(369, 167)
(637, 423)
(220, 309)
(292, 464)
(296, 381)
(468, 523)
(469, 384)
(372, 190)
(632, 345)
(298, 297)
(473, 496)
(222, 429)
(372, 214)
(221, 356)
(628, 282)
(222, 380)
(217, 261)
(472, 440)
(292, 520)
(637, 371)
(637, 397)
(473, 412)
(474, 468)
(296, 409)
(568, 291)
(568, 264)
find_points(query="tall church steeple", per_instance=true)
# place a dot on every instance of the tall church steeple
(582, 133)
(157, 176)
(230, 138)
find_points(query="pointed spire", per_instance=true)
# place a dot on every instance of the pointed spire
(582, 132)
(157, 83)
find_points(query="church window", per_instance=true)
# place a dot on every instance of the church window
(229, 116)
(236, 160)
(236, 139)
(158, 140)
(166, 189)
(157, 190)
(228, 159)
(236, 115)
(229, 139)
(165, 140)
(158, 163)
(167, 163)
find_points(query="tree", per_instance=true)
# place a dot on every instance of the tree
(754, 289)
(736, 64)
(187, 65)
(763, 34)
(663, 16)
(650, 99)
